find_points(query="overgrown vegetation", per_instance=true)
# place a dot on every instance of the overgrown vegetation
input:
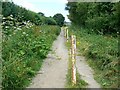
(23, 52)
(24, 45)
(102, 54)
(97, 28)
(23, 15)
(100, 18)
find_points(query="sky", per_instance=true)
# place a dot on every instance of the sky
(48, 7)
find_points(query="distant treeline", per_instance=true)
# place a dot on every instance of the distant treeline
(101, 18)
(22, 14)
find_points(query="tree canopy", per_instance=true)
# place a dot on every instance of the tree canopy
(103, 18)
(59, 18)
(21, 14)
(40, 13)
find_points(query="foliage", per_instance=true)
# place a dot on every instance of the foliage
(50, 21)
(40, 13)
(24, 46)
(21, 14)
(59, 18)
(102, 54)
(71, 7)
(102, 18)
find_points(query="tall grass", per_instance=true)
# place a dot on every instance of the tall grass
(102, 54)
(24, 50)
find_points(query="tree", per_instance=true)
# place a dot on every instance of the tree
(50, 21)
(71, 7)
(77, 12)
(59, 18)
(40, 13)
(102, 18)
(22, 14)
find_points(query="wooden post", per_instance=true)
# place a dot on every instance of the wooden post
(67, 34)
(73, 55)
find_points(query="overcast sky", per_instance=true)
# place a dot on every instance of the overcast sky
(48, 7)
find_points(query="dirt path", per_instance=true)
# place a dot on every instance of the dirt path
(54, 69)
(86, 72)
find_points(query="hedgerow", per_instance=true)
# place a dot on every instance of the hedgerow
(24, 47)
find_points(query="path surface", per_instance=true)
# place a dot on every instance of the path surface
(86, 72)
(54, 69)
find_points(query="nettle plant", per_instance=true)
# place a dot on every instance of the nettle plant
(24, 47)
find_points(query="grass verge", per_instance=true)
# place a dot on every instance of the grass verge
(102, 55)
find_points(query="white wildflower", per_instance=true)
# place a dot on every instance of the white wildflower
(24, 32)
(24, 22)
(6, 27)
(4, 18)
(11, 15)
(19, 29)
(4, 22)
(20, 26)
(14, 27)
